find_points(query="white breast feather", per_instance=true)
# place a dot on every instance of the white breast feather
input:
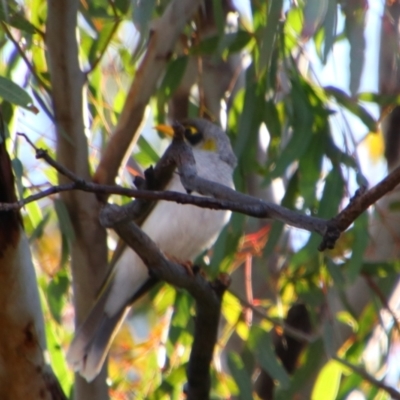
(181, 231)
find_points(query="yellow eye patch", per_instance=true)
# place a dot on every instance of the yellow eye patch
(209, 145)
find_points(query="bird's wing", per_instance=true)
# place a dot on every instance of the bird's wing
(127, 281)
(92, 341)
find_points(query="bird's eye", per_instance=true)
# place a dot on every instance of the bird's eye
(192, 135)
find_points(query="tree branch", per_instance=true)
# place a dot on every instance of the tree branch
(208, 303)
(179, 154)
(28, 64)
(89, 249)
(395, 394)
(160, 47)
(365, 198)
(208, 298)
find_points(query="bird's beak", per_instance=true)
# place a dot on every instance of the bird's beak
(165, 129)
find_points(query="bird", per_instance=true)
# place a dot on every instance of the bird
(182, 232)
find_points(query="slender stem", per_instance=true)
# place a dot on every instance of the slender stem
(24, 57)
(369, 378)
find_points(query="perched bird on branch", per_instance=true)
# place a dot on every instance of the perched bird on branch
(181, 232)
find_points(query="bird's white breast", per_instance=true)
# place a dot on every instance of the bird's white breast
(182, 231)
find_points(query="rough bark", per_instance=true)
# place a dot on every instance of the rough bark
(24, 373)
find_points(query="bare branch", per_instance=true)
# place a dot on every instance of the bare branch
(376, 289)
(289, 330)
(106, 43)
(208, 303)
(179, 154)
(358, 204)
(369, 378)
(362, 201)
(25, 58)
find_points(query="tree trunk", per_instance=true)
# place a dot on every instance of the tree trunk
(24, 373)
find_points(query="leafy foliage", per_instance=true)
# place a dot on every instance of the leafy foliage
(305, 154)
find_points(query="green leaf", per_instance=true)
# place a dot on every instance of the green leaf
(327, 385)
(142, 15)
(146, 148)
(170, 385)
(66, 228)
(101, 42)
(64, 219)
(206, 47)
(355, 13)
(250, 117)
(328, 336)
(332, 195)
(306, 371)
(122, 5)
(240, 40)
(394, 206)
(182, 307)
(381, 99)
(173, 76)
(272, 120)
(352, 105)
(181, 321)
(314, 15)
(268, 36)
(261, 344)
(218, 15)
(335, 271)
(18, 169)
(329, 26)
(224, 250)
(39, 229)
(241, 376)
(361, 239)
(310, 165)
(56, 294)
(302, 125)
(15, 19)
(11, 92)
(35, 213)
(57, 356)
(293, 27)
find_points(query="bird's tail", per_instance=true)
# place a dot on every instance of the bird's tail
(93, 339)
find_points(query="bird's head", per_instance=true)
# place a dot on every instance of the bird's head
(204, 135)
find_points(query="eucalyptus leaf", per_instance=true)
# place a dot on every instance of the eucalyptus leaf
(352, 105)
(260, 342)
(360, 243)
(56, 294)
(11, 92)
(268, 35)
(240, 375)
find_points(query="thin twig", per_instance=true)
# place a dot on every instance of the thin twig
(25, 58)
(395, 394)
(41, 153)
(375, 288)
(290, 331)
(361, 202)
(35, 197)
(223, 198)
(105, 46)
(208, 299)
(162, 40)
